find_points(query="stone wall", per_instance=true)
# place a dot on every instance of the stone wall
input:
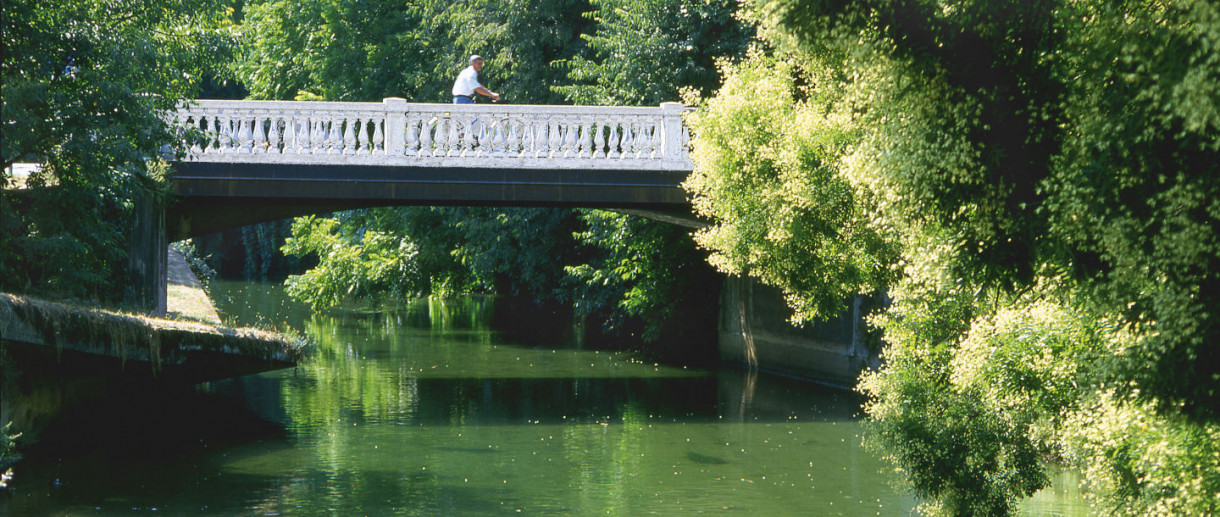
(754, 328)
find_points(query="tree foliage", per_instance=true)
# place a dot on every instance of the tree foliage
(85, 86)
(1046, 171)
(366, 51)
(767, 173)
(641, 52)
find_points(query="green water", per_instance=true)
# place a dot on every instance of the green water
(429, 410)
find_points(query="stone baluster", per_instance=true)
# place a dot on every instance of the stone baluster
(244, 137)
(453, 145)
(378, 144)
(218, 132)
(413, 136)
(493, 129)
(599, 140)
(539, 137)
(581, 131)
(441, 136)
(221, 133)
(641, 141)
(488, 131)
(197, 149)
(469, 136)
(425, 137)
(530, 131)
(300, 126)
(317, 134)
(554, 139)
(612, 142)
(576, 136)
(292, 133)
(512, 145)
(334, 139)
(481, 144)
(569, 137)
(587, 129)
(258, 134)
(349, 136)
(495, 135)
(273, 135)
(362, 134)
(646, 144)
(628, 140)
(209, 135)
(658, 141)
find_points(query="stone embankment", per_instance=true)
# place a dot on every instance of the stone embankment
(191, 347)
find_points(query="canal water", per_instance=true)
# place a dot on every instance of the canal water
(427, 409)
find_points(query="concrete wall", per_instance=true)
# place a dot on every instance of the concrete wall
(753, 322)
(146, 256)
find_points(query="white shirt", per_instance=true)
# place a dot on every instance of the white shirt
(466, 82)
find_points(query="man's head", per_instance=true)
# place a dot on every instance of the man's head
(477, 62)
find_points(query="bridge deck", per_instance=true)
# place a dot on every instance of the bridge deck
(253, 161)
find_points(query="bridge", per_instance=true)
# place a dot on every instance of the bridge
(253, 161)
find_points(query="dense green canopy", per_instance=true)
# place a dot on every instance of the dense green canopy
(1046, 172)
(85, 84)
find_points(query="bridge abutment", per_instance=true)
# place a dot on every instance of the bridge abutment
(754, 331)
(147, 255)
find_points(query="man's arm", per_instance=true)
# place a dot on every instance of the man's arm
(487, 93)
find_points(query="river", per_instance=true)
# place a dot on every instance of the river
(427, 409)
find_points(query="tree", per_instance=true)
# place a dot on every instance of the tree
(767, 173)
(353, 51)
(1046, 171)
(85, 86)
(643, 51)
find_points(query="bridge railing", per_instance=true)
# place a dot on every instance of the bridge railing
(394, 132)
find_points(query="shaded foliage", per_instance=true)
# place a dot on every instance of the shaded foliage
(641, 52)
(85, 85)
(1046, 174)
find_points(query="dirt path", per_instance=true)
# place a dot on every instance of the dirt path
(186, 298)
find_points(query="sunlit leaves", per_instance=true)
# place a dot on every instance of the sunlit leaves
(1048, 169)
(767, 172)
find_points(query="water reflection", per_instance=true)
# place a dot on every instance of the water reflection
(424, 409)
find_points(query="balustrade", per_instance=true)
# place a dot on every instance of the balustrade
(395, 132)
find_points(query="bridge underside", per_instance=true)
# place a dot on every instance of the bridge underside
(214, 196)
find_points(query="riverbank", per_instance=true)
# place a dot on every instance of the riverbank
(190, 351)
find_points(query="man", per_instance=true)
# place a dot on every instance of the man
(467, 84)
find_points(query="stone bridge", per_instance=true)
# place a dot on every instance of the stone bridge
(253, 161)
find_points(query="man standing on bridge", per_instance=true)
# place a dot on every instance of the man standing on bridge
(467, 84)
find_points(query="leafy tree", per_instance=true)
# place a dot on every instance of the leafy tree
(643, 51)
(411, 251)
(643, 279)
(357, 51)
(367, 51)
(1046, 170)
(85, 86)
(519, 40)
(767, 173)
